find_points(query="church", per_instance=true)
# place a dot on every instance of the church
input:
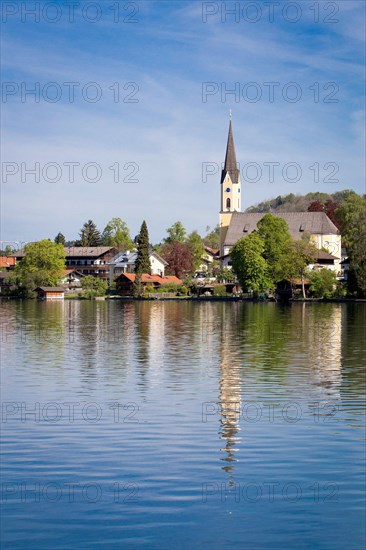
(235, 224)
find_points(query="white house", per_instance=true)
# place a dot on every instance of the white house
(124, 262)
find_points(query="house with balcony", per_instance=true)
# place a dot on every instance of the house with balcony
(86, 260)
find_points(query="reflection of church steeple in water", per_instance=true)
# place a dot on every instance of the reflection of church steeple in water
(230, 392)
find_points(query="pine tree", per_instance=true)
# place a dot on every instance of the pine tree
(60, 239)
(142, 264)
(137, 286)
(89, 235)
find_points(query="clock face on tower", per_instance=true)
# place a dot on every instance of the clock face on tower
(227, 190)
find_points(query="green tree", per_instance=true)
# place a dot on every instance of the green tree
(225, 275)
(142, 264)
(93, 286)
(323, 283)
(352, 216)
(116, 233)
(276, 237)
(89, 235)
(60, 239)
(299, 254)
(212, 238)
(249, 265)
(176, 233)
(42, 265)
(194, 242)
(8, 251)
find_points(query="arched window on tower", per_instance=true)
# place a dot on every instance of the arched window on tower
(228, 203)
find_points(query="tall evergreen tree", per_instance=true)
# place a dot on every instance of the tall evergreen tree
(89, 235)
(142, 264)
(60, 239)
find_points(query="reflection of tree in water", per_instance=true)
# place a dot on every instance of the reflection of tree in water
(284, 347)
(142, 325)
(264, 329)
(41, 329)
(320, 331)
(86, 338)
(353, 348)
(182, 342)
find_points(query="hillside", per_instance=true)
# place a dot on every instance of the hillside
(300, 203)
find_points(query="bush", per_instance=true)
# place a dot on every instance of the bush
(323, 283)
(93, 286)
(170, 287)
(219, 290)
(183, 290)
(225, 275)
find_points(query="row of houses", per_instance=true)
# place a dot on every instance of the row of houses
(103, 262)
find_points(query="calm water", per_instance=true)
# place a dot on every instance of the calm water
(183, 425)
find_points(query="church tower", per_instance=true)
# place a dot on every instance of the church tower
(230, 188)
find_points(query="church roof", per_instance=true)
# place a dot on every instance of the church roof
(230, 159)
(243, 223)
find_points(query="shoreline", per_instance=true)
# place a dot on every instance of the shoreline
(197, 299)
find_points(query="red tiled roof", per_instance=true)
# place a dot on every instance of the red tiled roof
(146, 278)
(5, 261)
(213, 251)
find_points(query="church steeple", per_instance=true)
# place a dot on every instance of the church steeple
(230, 187)
(230, 166)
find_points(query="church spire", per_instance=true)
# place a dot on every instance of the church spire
(230, 166)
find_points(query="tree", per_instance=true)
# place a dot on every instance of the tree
(60, 239)
(93, 286)
(249, 265)
(322, 283)
(195, 243)
(117, 234)
(212, 239)
(352, 216)
(42, 265)
(276, 237)
(330, 208)
(142, 264)
(316, 206)
(298, 256)
(137, 289)
(179, 257)
(8, 251)
(311, 202)
(225, 275)
(89, 235)
(176, 233)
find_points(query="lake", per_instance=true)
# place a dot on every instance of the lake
(183, 425)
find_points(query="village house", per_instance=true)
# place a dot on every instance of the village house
(124, 282)
(86, 260)
(124, 262)
(208, 257)
(7, 263)
(72, 281)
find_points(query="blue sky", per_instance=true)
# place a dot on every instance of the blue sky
(173, 126)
